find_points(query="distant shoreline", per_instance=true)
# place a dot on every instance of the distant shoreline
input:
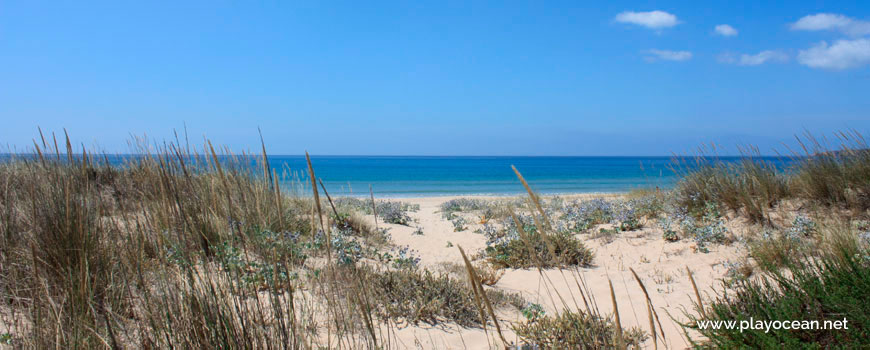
(419, 177)
(483, 196)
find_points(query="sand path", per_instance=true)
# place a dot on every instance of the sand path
(661, 266)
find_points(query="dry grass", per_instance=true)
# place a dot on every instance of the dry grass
(836, 177)
(179, 248)
(182, 247)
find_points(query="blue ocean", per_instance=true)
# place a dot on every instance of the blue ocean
(408, 176)
(405, 176)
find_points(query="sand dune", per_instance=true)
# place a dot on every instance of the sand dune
(661, 265)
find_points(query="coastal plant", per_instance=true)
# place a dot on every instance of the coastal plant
(349, 250)
(834, 286)
(6, 338)
(574, 330)
(350, 204)
(709, 228)
(394, 212)
(487, 274)
(464, 204)
(736, 271)
(487, 229)
(834, 176)
(419, 295)
(750, 185)
(801, 227)
(568, 329)
(459, 224)
(513, 248)
(253, 273)
(627, 217)
(669, 231)
(279, 246)
(533, 311)
(401, 258)
(155, 252)
(607, 235)
(773, 249)
(649, 203)
(583, 215)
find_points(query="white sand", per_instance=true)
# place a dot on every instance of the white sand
(661, 265)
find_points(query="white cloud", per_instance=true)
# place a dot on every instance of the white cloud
(651, 19)
(762, 57)
(668, 55)
(843, 54)
(753, 60)
(725, 30)
(726, 58)
(831, 21)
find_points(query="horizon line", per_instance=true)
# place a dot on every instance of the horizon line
(434, 156)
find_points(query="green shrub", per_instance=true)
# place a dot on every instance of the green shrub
(704, 228)
(574, 330)
(459, 224)
(419, 295)
(464, 204)
(583, 215)
(535, 250)
(388, 211)
(835, 177)
(750, 186)
(648, 203)
(831, 287)
(669, 229)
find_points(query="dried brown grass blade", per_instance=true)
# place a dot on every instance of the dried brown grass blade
(697, 294)
(266, 172)
(328, 198)
(652, 324)
(374, 207)
(620, 341)
(650, 304)
(317, 206)
(474, 289)
(532, 194)
(476, 282)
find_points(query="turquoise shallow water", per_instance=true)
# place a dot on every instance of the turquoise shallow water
(405, 176)
(426, 176)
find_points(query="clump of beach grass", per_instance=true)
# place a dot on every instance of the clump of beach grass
(831, 286)
(831, 177)
(541, 246)
(393, 212)
(577, 330)
(751, 186)
(186, 247)
(834, 177)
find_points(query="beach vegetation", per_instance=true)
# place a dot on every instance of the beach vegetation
(834, 178)
(459, 224)
(526, 246)
(574, 330)
(832, 285)
(186, 248)
(394, 212)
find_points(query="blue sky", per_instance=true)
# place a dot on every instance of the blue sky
(436, 78)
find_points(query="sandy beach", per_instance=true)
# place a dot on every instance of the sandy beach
(661, 266)
(224, 257)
